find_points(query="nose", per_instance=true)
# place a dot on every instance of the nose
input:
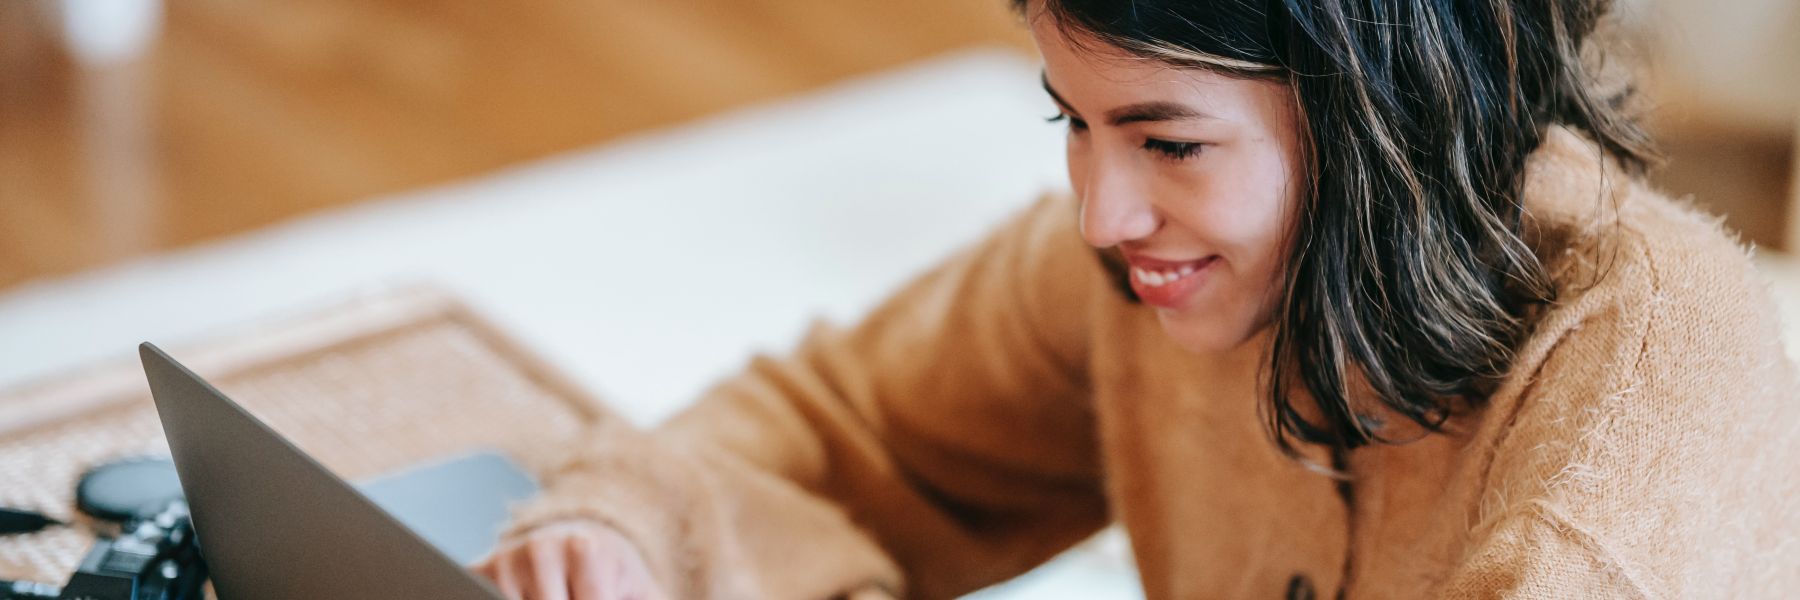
(1114, 208)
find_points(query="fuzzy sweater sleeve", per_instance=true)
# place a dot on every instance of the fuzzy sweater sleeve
(1654, 456)
(944, 443)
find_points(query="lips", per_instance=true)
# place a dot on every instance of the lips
(1168, 283)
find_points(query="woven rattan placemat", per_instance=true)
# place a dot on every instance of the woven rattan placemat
(383, 382)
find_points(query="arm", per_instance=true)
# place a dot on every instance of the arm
(943, 444)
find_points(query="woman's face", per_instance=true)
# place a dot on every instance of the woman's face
(1192, 177)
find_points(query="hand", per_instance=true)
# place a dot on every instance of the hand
(572, 560)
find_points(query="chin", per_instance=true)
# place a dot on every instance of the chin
(1205, 334)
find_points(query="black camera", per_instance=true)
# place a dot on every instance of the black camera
(153, 558)
(155, 555)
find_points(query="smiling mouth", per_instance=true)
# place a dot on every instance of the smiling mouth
(1168, 284)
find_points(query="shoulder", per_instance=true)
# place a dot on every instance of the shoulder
(1671, 311)
(1660, 314)
(1663, 342)
(1659, 270)
(1656, 384)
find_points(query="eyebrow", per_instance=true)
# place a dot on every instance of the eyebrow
(1142, 112)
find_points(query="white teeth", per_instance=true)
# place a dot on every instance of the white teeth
(1161, 278)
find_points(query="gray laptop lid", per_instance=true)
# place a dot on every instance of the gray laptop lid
(274, 523)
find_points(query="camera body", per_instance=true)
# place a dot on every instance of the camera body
(154, 557)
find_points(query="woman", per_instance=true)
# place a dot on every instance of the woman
(1382, 310)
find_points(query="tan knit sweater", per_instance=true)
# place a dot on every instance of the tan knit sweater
(1010, 402)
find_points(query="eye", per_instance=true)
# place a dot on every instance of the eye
(1172, 150)
(1075, 125)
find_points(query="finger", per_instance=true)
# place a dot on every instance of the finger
(492, 573)
(586, 581)
(484, 569)
(550, 581)
(508, 574)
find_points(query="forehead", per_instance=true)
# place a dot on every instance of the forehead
(1094, 75)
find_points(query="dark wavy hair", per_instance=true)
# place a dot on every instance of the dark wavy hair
(1408, 276)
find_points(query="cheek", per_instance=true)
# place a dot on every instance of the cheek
(1244, 211)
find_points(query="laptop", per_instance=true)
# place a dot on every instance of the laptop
(274, 523)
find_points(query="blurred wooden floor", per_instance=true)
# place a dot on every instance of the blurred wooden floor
(247, 112)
